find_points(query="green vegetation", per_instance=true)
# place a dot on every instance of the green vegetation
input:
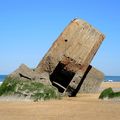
(30, 89)
(109, 93)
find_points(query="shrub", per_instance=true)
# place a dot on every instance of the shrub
(105, 93)
(109, 93)
(115, 94)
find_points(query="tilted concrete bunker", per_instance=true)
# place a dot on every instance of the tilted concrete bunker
(67, 63)
(68, 60)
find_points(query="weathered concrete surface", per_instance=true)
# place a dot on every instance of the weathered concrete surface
(78, 42)
(92, 81)
(25, 73)
(71, 55)
(89, 83)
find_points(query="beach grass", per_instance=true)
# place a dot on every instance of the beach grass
(30, 89)
(109, 93)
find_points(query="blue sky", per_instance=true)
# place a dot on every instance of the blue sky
(29, 27)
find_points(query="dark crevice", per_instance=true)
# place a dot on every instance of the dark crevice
(66, 40)
(60, 77)
(24, 76)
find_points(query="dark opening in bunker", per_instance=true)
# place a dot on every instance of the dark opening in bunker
(61, 77)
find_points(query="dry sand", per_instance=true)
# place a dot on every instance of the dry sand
(114, 85)
(110, 84)
(82, 107)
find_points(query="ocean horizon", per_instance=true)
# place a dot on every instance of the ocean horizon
(106, 79)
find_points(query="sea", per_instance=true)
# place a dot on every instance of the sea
(2, 78)
(106, 79)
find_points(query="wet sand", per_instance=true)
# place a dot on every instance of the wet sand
(82, 107)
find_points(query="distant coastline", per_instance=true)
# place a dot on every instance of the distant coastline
(112, 79)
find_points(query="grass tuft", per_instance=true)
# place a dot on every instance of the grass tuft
(30, 89)
(109, 93)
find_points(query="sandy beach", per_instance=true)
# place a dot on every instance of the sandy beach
(82, 107)
(114, 85)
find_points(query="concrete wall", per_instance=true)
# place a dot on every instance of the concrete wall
(75, 49)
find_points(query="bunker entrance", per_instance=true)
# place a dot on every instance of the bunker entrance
(61, 77)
